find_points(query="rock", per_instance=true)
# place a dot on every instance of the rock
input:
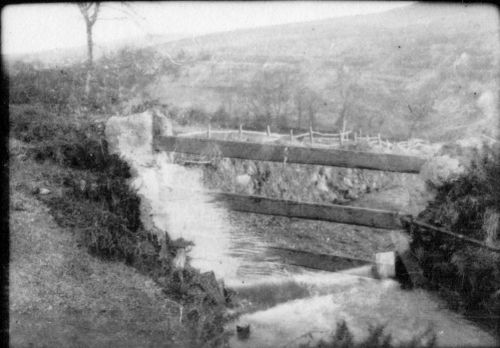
(386, 264)
(210, 285)
(243, 331)
(363, 187)
(347, 182)
(134, 133)
(179, 261)
(351, 194)
(243, 180)
(162, 124)
(44, 191)
(322, 184)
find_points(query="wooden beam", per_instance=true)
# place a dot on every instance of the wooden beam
(294, 154)
(328, 212)
(325, 262)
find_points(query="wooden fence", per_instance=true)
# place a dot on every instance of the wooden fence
(302, 155)
(314, 138)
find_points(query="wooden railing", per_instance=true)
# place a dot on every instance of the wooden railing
(314, 138)
(292, 154)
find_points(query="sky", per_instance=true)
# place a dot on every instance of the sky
(39, 27)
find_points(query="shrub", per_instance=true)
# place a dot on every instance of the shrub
(467, 276)
(96, 201)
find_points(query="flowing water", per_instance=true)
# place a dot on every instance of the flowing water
(287, 305)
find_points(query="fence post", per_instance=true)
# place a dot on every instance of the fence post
(311, 134)
(291, 135)
(240, 132)
(268, 130)
(379, 140)
(355, 138)
(341, 138)
(208, 131)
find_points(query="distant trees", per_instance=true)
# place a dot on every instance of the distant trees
(118, 81)
(346, 89)
(307, 102)
(421, 96)
(270, 93)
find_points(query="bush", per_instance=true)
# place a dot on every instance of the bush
(115, 80)
(96, 201)
(467, 276)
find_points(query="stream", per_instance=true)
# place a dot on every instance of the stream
(285, 305)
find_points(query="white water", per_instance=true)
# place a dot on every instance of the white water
(172, 198)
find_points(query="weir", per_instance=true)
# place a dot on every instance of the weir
(284, 297)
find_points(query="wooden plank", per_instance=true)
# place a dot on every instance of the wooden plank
(276, 153)
(328, 212)
(325, 262)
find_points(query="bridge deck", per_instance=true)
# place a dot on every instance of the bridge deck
(291, 154)
(328, 212)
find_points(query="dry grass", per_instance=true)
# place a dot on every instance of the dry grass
(62, 297)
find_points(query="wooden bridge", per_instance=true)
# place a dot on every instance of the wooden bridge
(302, 155)
(385, 219)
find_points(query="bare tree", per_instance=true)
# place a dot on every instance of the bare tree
(307, 103)
(347, 87)
(419, 113)
(90, 11)
(421, 96)
(298, 100)
(270, 92)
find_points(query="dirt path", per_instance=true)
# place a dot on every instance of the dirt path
(60, 296)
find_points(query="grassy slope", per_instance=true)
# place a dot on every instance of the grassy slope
(405, 56)
(441, 60)
(98, 218)
(61, 296)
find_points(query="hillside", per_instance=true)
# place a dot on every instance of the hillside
(421, 70)
(63, 57)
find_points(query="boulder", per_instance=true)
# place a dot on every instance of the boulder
(133, 134)
(162, 125)
(386, 264)
(243, 331)
(209, 284)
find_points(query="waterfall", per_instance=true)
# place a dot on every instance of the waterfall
(172, 196)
